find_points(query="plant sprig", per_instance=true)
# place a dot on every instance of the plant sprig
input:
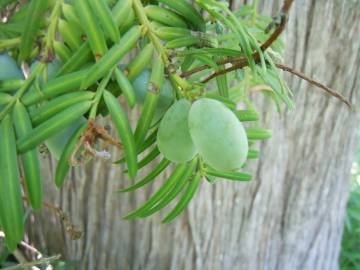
(192, 125)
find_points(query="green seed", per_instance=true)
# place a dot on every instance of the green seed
(218, 135)
(173, 139)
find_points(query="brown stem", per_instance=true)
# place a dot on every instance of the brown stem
(316, 83)
(239, 65)
(283, 20)
(290, 70)
(243, 61)
(45, 204)
(193, 71)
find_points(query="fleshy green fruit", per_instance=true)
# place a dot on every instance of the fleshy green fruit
(141, 84)
(9, 68)
(218, 135)
(173, 138)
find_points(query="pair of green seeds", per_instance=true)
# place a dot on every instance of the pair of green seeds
(173, 142)
(209, 128)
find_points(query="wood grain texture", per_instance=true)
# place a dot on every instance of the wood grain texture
(289, 217)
